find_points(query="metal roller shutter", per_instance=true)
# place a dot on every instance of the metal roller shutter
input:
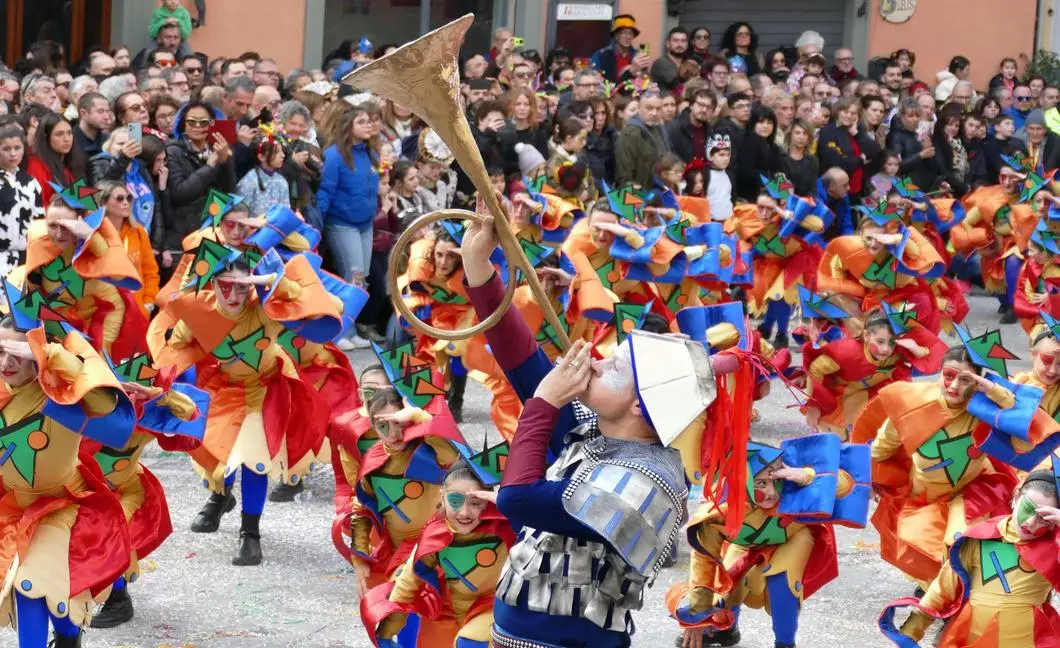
(777, 22)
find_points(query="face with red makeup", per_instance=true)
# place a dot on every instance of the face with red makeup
(1045, 357)
(235, 228)
(232, 296)
(766, 490)
(957, 381)
(879, 342)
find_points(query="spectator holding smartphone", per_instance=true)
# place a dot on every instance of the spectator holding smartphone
(197, 163)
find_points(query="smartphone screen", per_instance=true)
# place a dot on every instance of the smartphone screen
(136, 132)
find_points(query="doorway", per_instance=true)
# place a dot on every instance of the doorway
(75, 24)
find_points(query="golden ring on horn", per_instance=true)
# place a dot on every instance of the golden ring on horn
(405, 240)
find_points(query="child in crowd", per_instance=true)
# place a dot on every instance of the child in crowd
(262, 186)
(170, 11)
(888, 175)
(719, 184)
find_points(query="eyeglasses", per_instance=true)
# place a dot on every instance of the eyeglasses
(198, 123)
(166, 63)
(138, 107)
(702, 37)
(1022, 98)
(193, 70)
(121, 198)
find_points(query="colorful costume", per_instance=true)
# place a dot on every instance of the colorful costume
(442, 302)
(779, 557)
(844, 375)
(264, 417)
(994, 592)
(448, 583)
(63, 535)
(898, 274)
(89, 285)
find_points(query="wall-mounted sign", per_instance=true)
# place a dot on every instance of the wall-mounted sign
(571, 11)
(897, 11)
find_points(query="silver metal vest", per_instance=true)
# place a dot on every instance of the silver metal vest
(636, 500)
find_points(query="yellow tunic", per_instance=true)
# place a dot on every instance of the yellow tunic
(1014, 609)
(51, 472)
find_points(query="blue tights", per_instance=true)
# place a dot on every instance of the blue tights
(33, 616)
(1013, 264)
(783, 608)
(778, 313)
(253, 487)
(457, 367)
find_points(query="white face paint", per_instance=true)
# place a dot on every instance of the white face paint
(618, 372)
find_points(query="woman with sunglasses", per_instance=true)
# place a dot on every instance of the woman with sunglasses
(117, 201)
(700, 49)
(458, 558)
(933, 479)
(197, 162)
(397, 486)
(265, 418)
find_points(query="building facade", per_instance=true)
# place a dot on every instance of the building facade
(300, 32)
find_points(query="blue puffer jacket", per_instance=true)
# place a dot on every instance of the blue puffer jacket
(349, 196)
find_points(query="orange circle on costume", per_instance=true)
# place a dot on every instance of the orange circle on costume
(262, 344)
(37, 440)
(120, 465)
(974, 452)
(682, 299)
(486, 557)
(613, 276)
(214, 209)
(202, 268)
(298, 342)
(413, 490)
(628, 326)
(1026, 566)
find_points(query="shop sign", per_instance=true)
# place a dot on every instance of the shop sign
(572, 11)
(897, 11)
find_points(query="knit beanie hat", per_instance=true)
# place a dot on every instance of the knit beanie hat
(529, 158)
(1035, 118)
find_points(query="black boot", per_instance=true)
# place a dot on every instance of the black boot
(117, 610)
(286, 493)
(249, 542)
(721, 638)
(60, 641)
(1009, 316)
(781, 341)
(209, 516)
(457, 385)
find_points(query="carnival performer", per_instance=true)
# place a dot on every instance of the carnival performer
(357, 438)
(994, 224)
(227, 220)
(995, 589)
(932, 479)
(785, 550)
(449, 580)
(433, 286)
(563, 510)
(886, 261)
(82, 268)
(1039, 277)
(398, 483)
(263, 421)
(845, 374)
(782, 232)
(63, 535)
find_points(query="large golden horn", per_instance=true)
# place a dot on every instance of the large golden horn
(423, 76)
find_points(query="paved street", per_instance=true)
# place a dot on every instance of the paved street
(190, 595)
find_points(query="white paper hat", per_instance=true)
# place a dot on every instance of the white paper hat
(674, 381)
